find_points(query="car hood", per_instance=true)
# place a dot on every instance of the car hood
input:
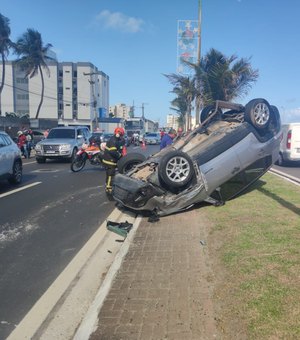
(57, 141)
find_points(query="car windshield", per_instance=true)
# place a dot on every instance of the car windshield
(151, 135)
(61, 133)
(97, 134)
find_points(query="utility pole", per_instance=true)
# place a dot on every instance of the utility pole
(92, 83)
(143, 109)
(197, 113)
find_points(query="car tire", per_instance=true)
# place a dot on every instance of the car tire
(129, 161)
(17, 174)
(40, 160)
(280, 160)
(176, 169)
(207, 111)
(275, 121)
(258, 113)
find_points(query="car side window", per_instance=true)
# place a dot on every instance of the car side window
(3, 142)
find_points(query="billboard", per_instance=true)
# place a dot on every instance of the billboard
(187, 44)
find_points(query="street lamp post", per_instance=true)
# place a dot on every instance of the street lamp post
(197, 113)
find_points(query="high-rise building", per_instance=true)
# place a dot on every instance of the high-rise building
(120, 111)
(74, 93)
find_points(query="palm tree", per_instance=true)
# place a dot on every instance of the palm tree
(219, 77)
(225, 78)
(33, 58)
(5, 45)
(184, 88)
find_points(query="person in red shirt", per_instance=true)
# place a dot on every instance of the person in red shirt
(22, 143)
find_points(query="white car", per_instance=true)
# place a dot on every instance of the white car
(10, 159)
(152, 138)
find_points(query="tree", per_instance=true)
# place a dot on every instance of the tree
(222, 78)
(218, 77)
(33, 58)
(5, 45)
(184, 88)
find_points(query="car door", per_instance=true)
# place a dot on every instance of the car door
(6, 155)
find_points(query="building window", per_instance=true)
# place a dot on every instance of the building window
(22, 81)
(68, 104)
(67, 71)
(23, 96)
(67, 88)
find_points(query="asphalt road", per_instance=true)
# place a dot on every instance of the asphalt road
(291, 169)
(43, 226)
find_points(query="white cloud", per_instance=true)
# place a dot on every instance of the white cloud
(119, 21)
(290, 116)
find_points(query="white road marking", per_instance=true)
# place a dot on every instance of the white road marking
(29, 163)
(20, 189)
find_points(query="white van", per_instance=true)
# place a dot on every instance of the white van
(290, 144)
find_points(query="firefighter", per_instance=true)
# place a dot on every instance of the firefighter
(112, 153)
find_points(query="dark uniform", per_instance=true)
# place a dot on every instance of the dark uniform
(112, 153)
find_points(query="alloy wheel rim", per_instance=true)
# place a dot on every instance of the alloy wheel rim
(177, 169)
(261, 114)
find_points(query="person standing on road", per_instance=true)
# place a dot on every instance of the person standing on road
(112, 153)
(167, 139)
(22, 143)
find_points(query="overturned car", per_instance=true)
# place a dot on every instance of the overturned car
(233, 146)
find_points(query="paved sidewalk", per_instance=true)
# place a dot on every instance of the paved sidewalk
(163, 288)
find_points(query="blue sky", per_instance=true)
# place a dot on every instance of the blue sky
(135, 42)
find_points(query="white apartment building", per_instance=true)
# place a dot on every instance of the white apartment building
(120, 111)
(75, 93)
(172, 121)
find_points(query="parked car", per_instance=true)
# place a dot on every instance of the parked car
(62, 142)
(152, 138)
(290, 144)
(233, 147)
(10, 159)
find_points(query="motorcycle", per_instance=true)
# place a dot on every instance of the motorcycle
(91, 153)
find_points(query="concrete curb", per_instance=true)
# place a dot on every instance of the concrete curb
(283, 175)
(90, 322)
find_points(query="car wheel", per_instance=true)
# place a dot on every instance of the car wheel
(275, 121)
(129, 161)
(16, 177)
(40, 160)
(258, 113)
(208, 111)
(176, 169)
(280, 160)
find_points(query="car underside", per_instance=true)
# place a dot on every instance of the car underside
(213, 163)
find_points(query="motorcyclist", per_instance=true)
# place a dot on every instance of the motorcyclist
(112, 153)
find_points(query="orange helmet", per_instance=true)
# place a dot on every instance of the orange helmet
(119, 131)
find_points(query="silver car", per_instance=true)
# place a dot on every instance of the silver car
(62, 143)
(152, 138)
(233, 147)
(10, 159)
